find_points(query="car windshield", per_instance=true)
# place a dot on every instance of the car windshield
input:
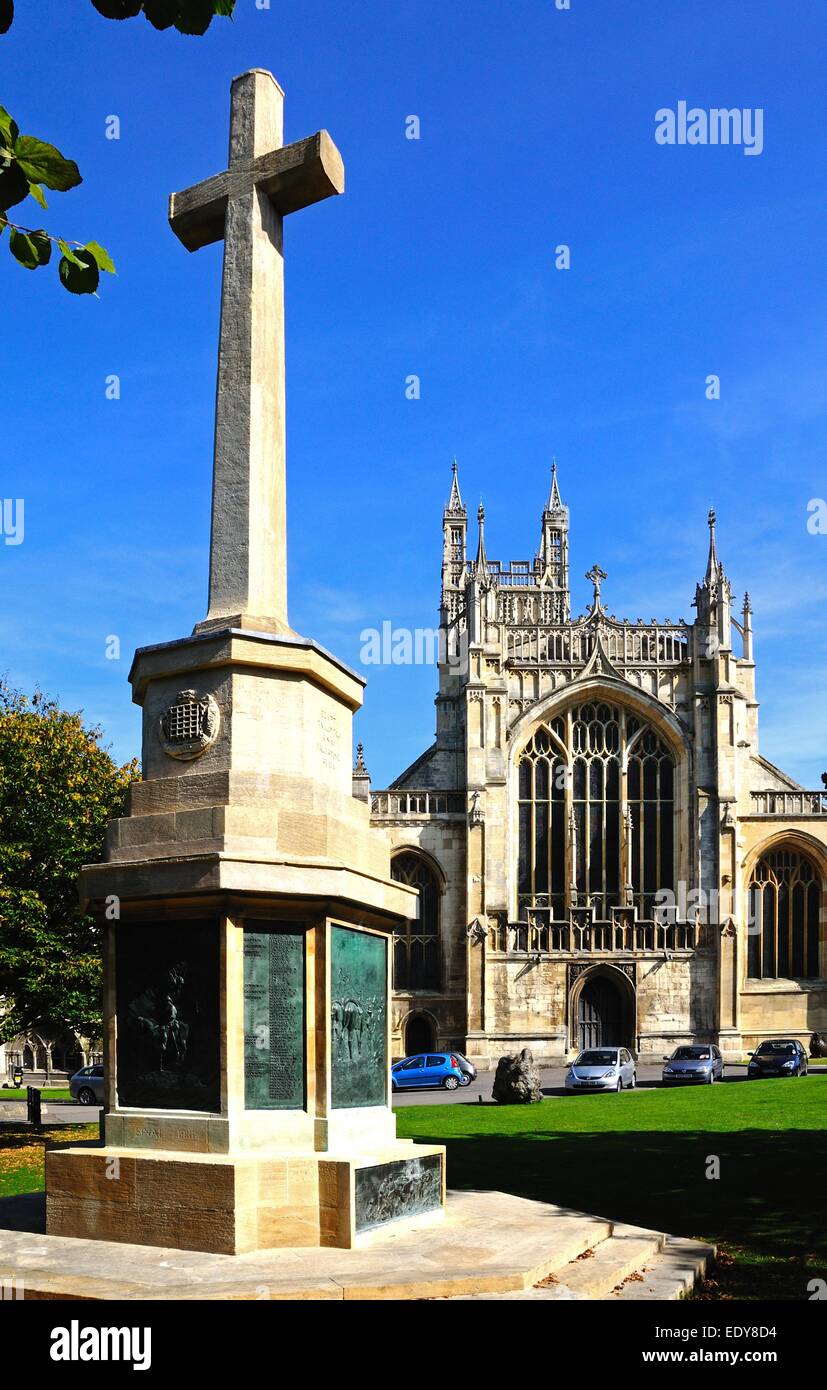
(691, 1054)
(783, 1049)
(596, 1059)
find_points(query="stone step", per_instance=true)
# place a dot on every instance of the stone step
(630, 1264)
(598, 1273)
(672, 1274)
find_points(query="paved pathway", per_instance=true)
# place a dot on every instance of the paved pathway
(52, 1112)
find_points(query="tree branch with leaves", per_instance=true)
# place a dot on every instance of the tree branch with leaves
(29, 165)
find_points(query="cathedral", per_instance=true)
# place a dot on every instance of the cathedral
(603, 856)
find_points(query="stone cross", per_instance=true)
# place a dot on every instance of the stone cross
(245, 206)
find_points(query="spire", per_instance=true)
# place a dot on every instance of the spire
(455, 506)
(713, 565)
(481, 563)
(555, 501)
(713, 598)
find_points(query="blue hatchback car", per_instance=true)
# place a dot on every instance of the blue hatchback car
(427, 1069)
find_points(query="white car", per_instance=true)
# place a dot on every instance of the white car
(602, 1069)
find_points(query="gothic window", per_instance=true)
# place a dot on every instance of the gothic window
(650, 798)
(416, 949)
(588, 829)
(784, 902)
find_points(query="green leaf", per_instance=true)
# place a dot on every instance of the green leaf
(103, 260)
(8, 129)
(6, 15)
(81, 279)
(42, 163)
(38, 194)
(224, 7)
(69, 254)
(117, 9)
(31, 249)
(160, 13)
(14, 186)
(194, 16)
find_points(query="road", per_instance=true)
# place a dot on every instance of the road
(551, 1080)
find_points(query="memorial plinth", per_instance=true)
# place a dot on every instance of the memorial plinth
(247, 904)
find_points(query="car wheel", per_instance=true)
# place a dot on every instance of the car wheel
(619, 1084)
(634, 1081)
(87, 1096)
(466, 1080)
(450, 1083)
(710, 1079)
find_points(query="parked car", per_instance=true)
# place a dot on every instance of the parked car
(469, 1071)
(87, 1085)
(696, 1062)
(427, 1069)
(602, 1069)
(780, 1057)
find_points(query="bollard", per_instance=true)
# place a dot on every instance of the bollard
(33, 1105)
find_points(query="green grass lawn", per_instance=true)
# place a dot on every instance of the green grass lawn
(642, 1157)
(46, 1093)
(22, 1153)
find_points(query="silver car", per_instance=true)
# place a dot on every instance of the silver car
(602, 1069)
(698, 1062)
(87, 1085)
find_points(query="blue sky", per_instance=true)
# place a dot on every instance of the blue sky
(537, 128)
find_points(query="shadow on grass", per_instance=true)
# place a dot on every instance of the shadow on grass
(766, 1210)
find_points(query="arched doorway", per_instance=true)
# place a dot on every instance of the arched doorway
(420, 1034)
(603, 1010)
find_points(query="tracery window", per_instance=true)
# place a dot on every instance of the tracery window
(416, 949)
(784, 908)
(596, 814)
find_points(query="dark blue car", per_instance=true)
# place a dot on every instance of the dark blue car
(780, 1057)
(427, 1069)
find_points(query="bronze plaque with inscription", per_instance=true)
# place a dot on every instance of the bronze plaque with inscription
(359, 1021)
(274, 1016)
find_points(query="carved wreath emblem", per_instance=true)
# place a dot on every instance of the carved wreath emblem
(190, 725)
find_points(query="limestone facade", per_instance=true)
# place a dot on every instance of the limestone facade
(601, 850)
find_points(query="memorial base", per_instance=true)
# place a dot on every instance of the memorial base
(232, 1204)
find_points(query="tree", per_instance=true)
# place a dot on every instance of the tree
(58, 789)
(28, 165)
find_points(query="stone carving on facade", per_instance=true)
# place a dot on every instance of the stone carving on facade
(476, 815)
(477, 930)
(190, 725)
(728, 927)
(579, 968)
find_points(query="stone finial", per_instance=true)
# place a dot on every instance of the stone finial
(481, 563)
(361, 776)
